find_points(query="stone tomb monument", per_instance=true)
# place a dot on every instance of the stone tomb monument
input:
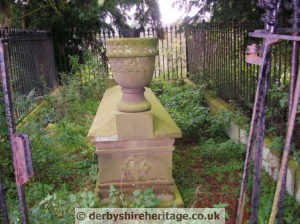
(133, 133)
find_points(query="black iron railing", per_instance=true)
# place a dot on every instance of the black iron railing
(31, 66)
(170, 64)
(216, 55)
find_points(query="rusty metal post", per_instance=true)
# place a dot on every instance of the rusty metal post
(292, 110)
(11, 129)
(257, 127)
(294, 73)
(280, 189)
(295, 50)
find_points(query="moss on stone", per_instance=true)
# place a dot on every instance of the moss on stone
(178, 202)
(135, 42)
(297, 175)
(104, 122)
(131, 47)
(293, 164)
(36, 111)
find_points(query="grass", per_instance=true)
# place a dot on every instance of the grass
(64, 162)
(207, 165)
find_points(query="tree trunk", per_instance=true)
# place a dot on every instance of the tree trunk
(5, 11)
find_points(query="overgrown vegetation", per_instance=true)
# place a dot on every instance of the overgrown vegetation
(276, 120)
(208, 169)
(64, 163)
(207, 165)
(140, 199)
(188, 108)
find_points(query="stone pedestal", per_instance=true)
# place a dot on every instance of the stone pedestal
(134, 150)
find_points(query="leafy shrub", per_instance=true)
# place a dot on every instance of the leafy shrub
(59, 207)
(141, 199)
(5, 152)
(219, 123)
(277, 143)
(291, 207)
(187, 107)
(23, 104)
(223, 151)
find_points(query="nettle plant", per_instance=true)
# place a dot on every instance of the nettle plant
(188, 108)
(140, 198)
(280, 94)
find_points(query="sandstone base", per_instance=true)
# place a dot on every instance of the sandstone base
(134, 150)
(175, 202)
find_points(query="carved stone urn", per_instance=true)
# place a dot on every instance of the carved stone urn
(132, 62)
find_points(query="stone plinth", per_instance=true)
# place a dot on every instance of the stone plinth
(134, 150)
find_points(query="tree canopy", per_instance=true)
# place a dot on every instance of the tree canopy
(222, 10)
(61, 16)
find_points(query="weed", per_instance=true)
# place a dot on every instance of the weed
(187, 107)
(222, 205)
(64, 163)
(24, 103)
(277, 143)
(141, 199)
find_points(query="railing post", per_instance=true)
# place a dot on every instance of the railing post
(11, 129)
(186, 33)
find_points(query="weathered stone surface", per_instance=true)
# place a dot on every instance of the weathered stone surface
(109, 82)
(165, 200)
(104, 126)
(135, 164)
(270, 162)
(233, 131)
(243, 136)
(134, 150)
(134, 125)
(291, 177)
(132, 61)
(297, 184)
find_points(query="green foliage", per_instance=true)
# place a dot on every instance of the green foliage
(188, 108)
(140, 199)
(224, 151)
(64, 163)
(220, 121)
(23, 104)
(241, 120)
(59, 207)
(65, 166)
(5, 152)
(277, 143)
(223, 10)
(296, 155)
(291, 207)
(222, 205)
(278, 106)
(215, 157)
(115, 195)
(3, 127)
(144, 199)
(229, 167)
(280, 94)
(147, 12)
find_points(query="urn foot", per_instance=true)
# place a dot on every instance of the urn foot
(133, 101)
